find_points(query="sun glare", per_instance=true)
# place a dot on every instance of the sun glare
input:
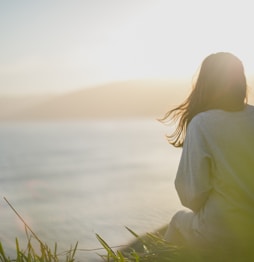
(161, 39)
(159, 44)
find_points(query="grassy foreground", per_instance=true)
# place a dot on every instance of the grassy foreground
(32, 254)
(153, 248)
(150, 247)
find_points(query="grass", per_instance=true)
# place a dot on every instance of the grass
(146, 248)
(31, 254)
(153, 248)
(38, 251)
(150, 247)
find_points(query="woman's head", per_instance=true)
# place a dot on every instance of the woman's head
(221, 84)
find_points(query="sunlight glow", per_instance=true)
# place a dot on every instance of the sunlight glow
(87, 44)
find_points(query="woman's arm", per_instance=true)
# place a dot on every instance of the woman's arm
(193, 179)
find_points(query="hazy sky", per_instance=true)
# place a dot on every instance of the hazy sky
(60, 45)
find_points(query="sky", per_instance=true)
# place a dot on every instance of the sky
(52, 46)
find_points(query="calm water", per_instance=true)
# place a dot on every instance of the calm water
(71, 180)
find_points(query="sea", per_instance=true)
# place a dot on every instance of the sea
(72, 180)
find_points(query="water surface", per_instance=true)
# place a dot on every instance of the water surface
(71, 180)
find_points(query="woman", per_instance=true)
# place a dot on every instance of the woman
(215, 177)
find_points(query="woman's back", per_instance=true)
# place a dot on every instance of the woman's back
(229, 142)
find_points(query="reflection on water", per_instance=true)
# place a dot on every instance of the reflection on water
(70, 180)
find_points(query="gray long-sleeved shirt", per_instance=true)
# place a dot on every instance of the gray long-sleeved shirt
(215, 177)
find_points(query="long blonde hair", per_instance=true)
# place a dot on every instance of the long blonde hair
(221, 84)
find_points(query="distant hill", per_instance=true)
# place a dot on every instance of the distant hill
(12, 106)
(121, 99)
(139, 98)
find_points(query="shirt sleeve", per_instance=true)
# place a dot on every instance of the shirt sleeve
(193, 178)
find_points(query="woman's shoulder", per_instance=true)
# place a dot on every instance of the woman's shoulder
(217, 117)
(203, 117)
(217, 114)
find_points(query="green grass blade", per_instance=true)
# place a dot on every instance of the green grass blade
(132, 232)
(71, 253)
(2, 254)
(110, 251)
